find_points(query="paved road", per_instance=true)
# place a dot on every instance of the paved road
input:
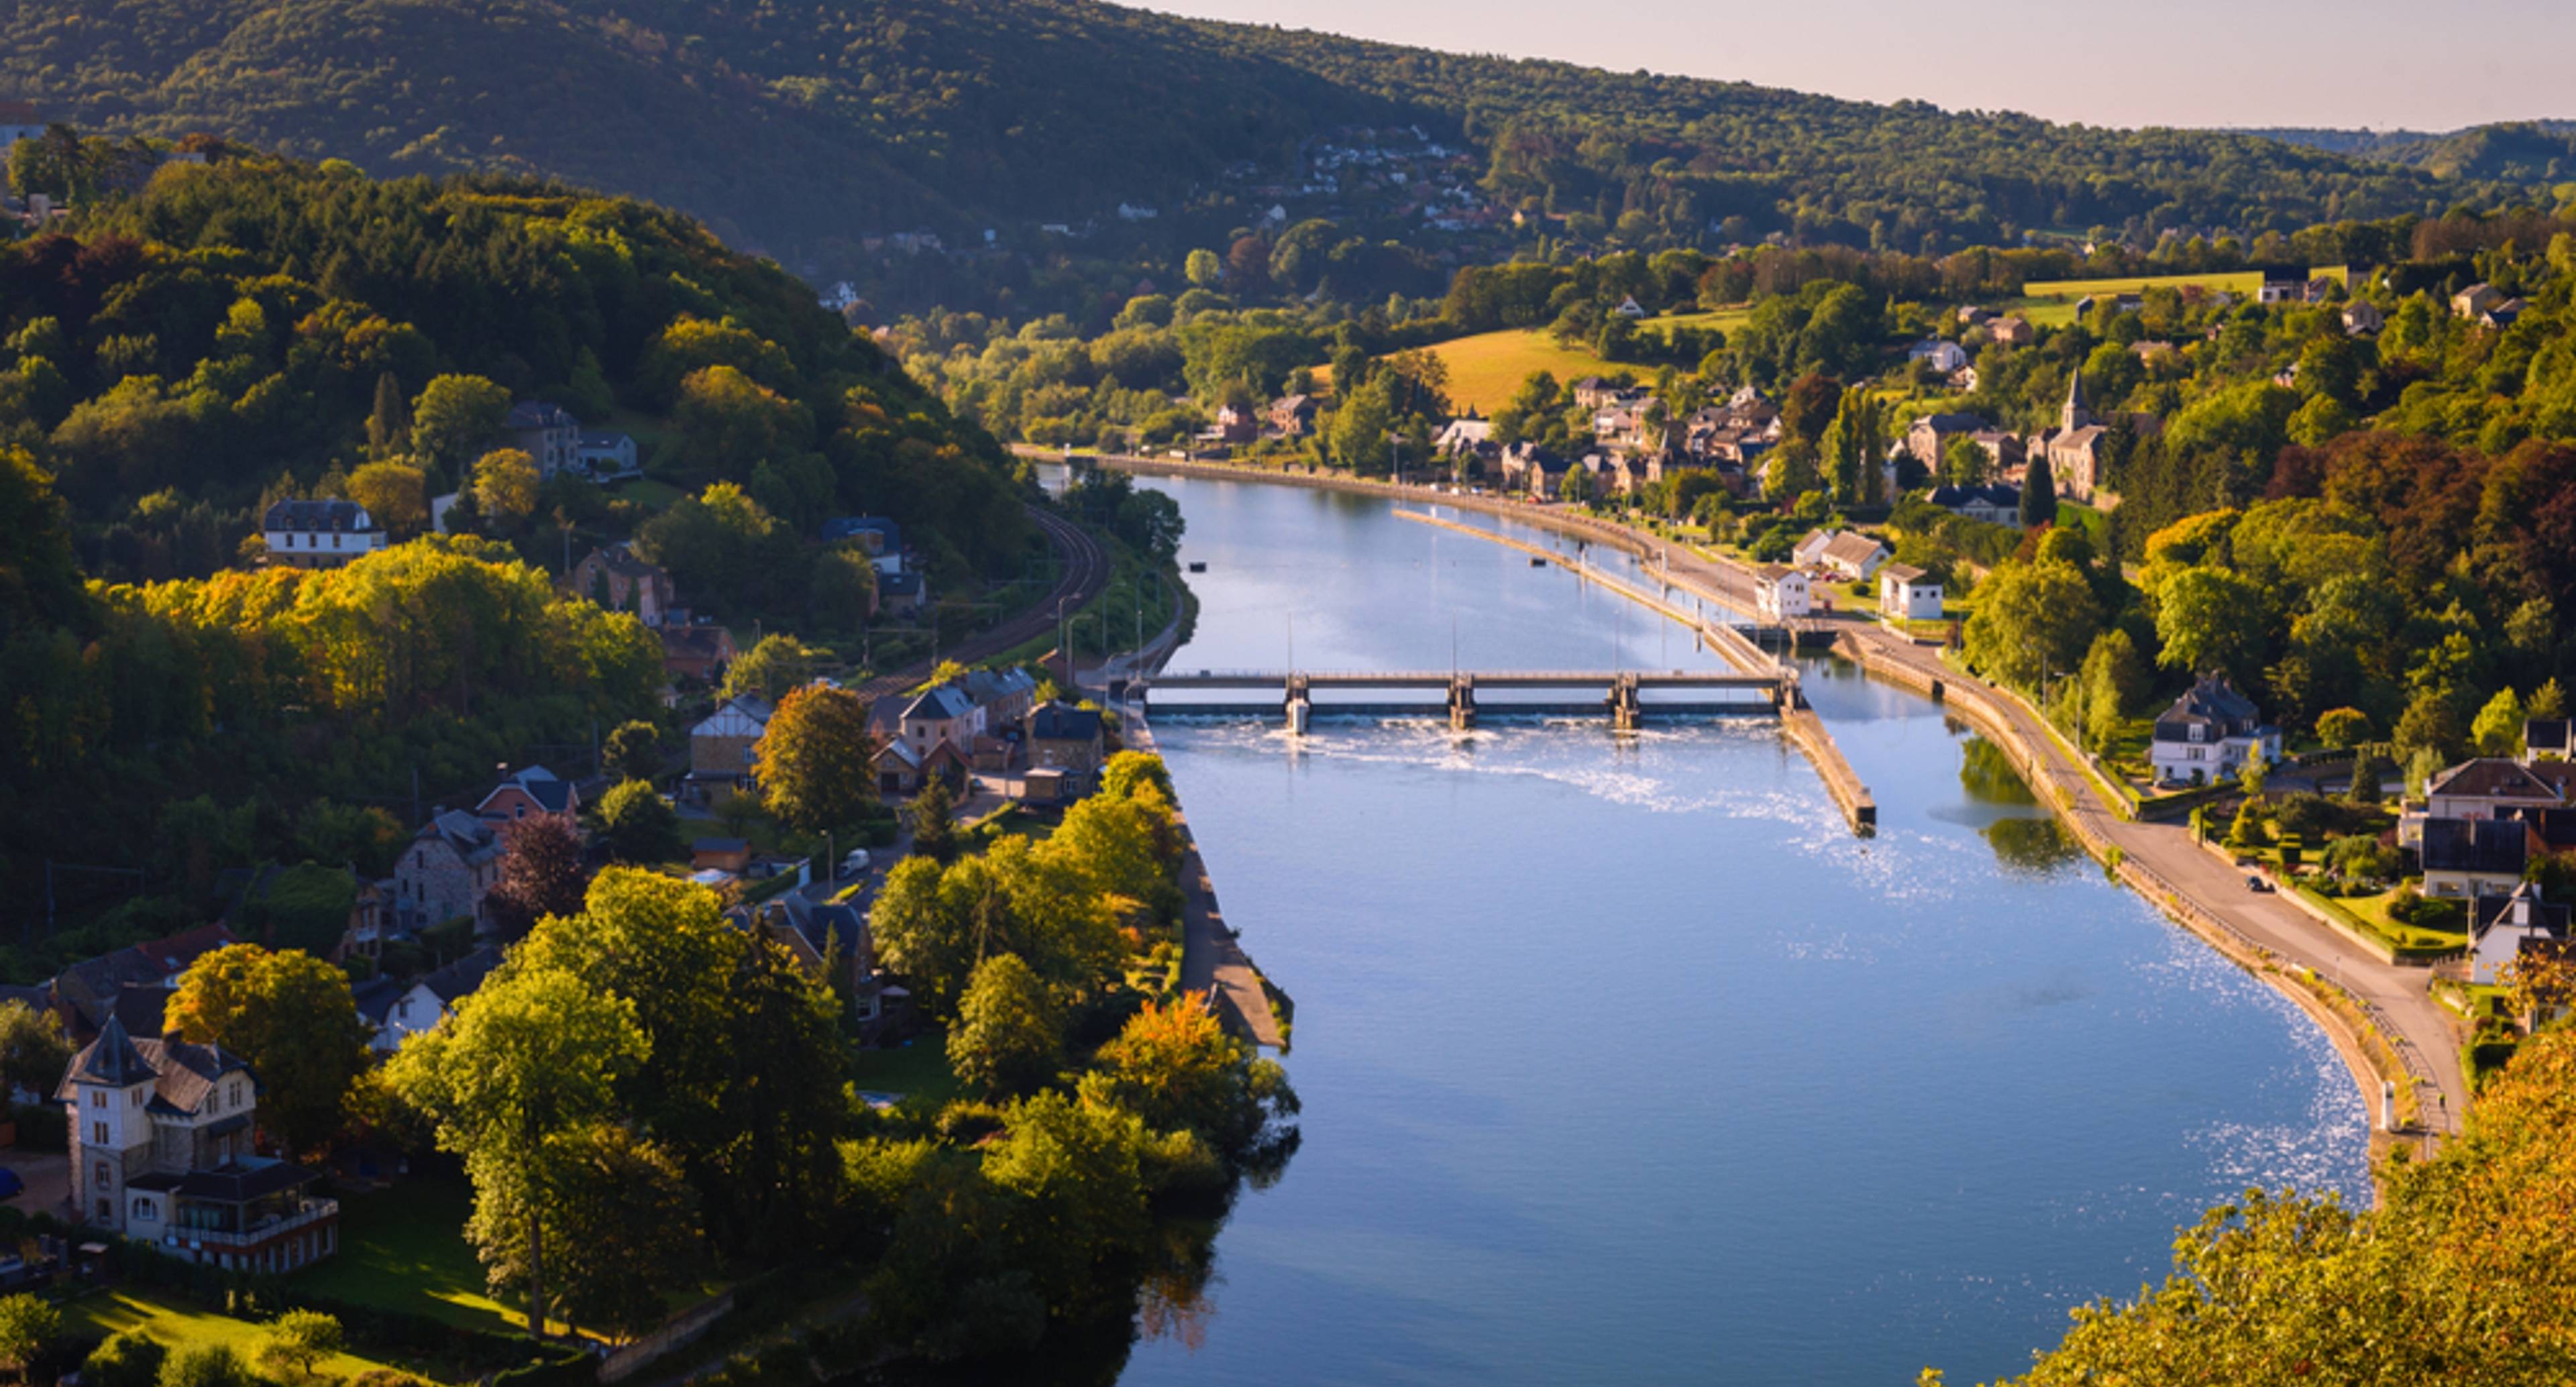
(1086, 573)
(2398, 992)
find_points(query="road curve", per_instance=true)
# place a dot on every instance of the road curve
(1085, 575)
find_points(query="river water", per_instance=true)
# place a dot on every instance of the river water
(1624, 1061)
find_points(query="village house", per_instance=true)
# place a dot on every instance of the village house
(1234, 424)
(2476, 300)
(2471, 857)
(160, 1145)
(613, 578)
(1780, 592)
(2208, 734)
(319, 534)
(944, 714)
(401, 1010)
(1629, 308)
(2283, 284)
(2489, 787)
(1292, 416)
(547, 433)
(605, 454)
(720, 746)
(1907, 593)
(1067, 738)
(2012, 330)
(2548, 739)
(880, 537)
(903, 769)
(1945, 356)
(902, 594)
(2362, 318)
(699, 651)
(1853, 556)
(2506, 927)
(1995, 505)
(87, 993)
(1004, 695)
(447, 870)
(534, 790)
(1928, 434)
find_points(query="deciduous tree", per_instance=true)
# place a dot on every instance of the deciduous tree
(2032, 619)
(813, 759)
(505, 488)
(290, 1015)
(455, 416)
(640, 825)
(541, 872)
(1010, 1033)
(394, 493)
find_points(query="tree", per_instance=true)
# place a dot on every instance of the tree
(635, 751)
(290, 1015)
(2115, 682)
(2548, 702)
(1359, 430)
(128, 1358)
(33, 1048)
(1964, 462)
(389, 422)
(2253, 772)
(455, 416)
(2242, 829)
(394, 493)
(27, 1324)
(779, 663)
(1204, 269)
(934, 821)
(641, 826)
(2497, 729)
(1173, 1065)
(2340, 728)
(1009, 1033)
(844, 590)
(813, 760)
(206, 1365)
(541, 872)
(1576, 488)
(2210, 620)
(2033, 620)
(621, 1223)
(505, 487)
(533, 1056)
(299, 1341)
(2038, 494)
(925, 933)
(1128, 772)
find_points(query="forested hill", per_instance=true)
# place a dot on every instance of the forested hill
(801, 127)
(2536, 152)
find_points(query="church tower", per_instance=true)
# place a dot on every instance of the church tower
(2076, 415)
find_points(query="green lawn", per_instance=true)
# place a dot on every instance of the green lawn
(404, 1249)
(649, 492)
(2369, 915)
(2234, 282)
(918, 1069)
(176, 1322)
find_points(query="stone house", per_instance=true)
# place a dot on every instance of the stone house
(547, 433)
(449, 867)
(613, 578)
(2208, 734)
(1067, 738)
(319, 534)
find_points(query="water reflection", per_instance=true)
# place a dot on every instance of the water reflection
(1989, 777)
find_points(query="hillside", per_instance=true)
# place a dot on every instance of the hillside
(802, 128)
(2541, 152)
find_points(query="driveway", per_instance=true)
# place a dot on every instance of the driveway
(49, 1181)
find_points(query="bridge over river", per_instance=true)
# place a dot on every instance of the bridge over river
(1622, 696)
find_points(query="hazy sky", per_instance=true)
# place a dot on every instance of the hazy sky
(2374, 63)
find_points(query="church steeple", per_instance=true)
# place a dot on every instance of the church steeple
(2076, 415)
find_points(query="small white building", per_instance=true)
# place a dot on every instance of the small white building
(1907, 593)
(1945, 357)
(2208, 734)
(430, 999)
(1780, 593)
(320, 534)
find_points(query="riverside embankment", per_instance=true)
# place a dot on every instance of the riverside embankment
(2380, 1016)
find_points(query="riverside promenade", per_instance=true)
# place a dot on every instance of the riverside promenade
(2380, 1016)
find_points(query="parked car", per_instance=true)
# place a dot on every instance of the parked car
(855, 863)
(10, 1185)
(2257, 884)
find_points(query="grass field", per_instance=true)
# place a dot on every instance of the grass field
(1485, 369)
(2234, 282)
(404, 1249)
(920, 1068)
(175, 1322)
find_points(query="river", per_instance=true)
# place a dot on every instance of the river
(1624, 1061)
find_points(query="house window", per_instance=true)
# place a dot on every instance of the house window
(104, 1179)
(98, 1134)
(107, 1208)
(98, 1098)
(2198, 732)
(144, 1208)
(236, 1098)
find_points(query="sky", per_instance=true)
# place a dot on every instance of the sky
(2377, 64)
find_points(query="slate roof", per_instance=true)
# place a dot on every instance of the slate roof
(240, 1182)
(375, 997)
(1955, 497)
(346, 517)
(111, 1059)
(1853, 548)
(539, 414)
(1901, 572)
(899, 584)
(2522, 907)
(474, 839)
(2491, 847)
(461, 978)
(945, 701)
(842, 527)
(182, 1074)
(2214, 703)
(2494, 777)
(91, 986)
(1064, 722)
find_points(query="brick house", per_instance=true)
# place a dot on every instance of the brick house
(534, 790)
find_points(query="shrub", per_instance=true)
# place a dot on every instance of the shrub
(129, 1358)
(205, 1365)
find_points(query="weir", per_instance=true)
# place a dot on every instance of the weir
(1620, 696)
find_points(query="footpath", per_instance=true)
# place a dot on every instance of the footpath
(2381, 1016)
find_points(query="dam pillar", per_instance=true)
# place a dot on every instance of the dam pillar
(1625, 712)
(1462, 702)
(1300, 707)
